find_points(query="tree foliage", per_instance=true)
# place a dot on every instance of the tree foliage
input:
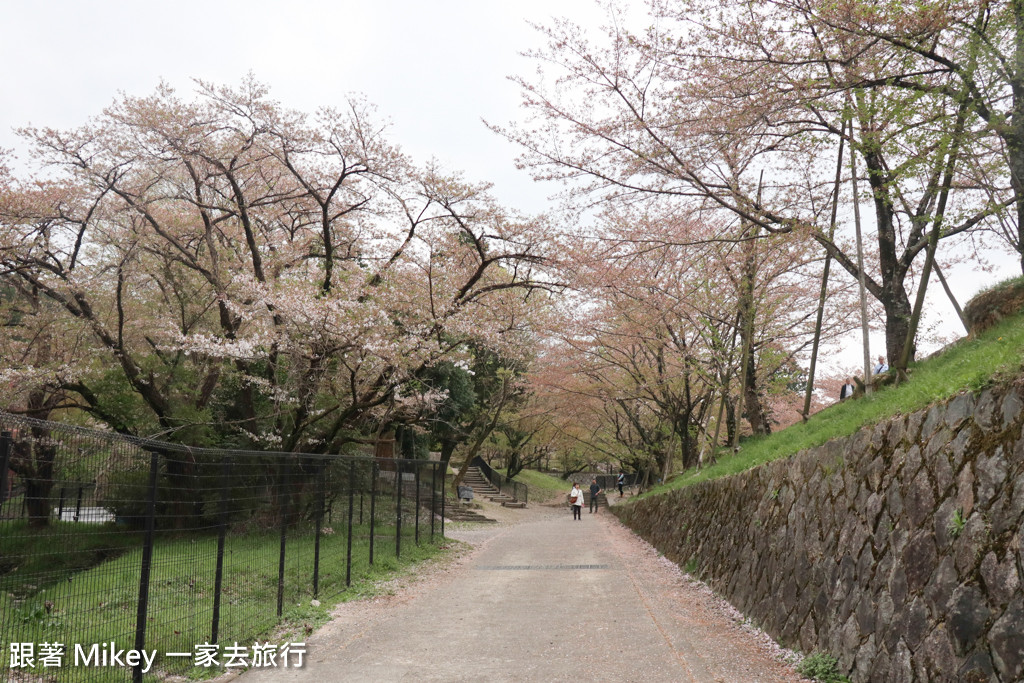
(226, 270)
(739, 107)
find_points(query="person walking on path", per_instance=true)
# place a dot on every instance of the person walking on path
(620, 482)
(576, 501)
(594, 490)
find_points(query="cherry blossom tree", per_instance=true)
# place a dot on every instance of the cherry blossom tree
(740, 106)
(239, 273)
(969, 54)
(648, 338)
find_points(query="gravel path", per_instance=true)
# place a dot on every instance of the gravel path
(540, 597)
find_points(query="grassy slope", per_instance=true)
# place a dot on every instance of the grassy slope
(543, 487)
(967, 366)
(24, 567)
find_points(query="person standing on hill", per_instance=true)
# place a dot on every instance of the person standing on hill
(847, 390)
(594, 490)
(620, 482)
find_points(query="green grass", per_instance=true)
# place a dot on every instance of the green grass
(969, 365)
(1004, 285)
(23, 568)
(99, 604)
(542, 486)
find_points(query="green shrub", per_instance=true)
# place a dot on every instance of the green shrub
(821, 667)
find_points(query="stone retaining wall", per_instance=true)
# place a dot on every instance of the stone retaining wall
(897, 549)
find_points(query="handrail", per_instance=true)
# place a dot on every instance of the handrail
(519, 492)
(609, 482)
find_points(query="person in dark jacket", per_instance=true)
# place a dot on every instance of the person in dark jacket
(594, 490)
(847, 390)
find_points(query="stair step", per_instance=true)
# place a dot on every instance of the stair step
(467, 516)
(483, 488)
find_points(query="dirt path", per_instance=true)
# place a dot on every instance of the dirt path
(541, 597)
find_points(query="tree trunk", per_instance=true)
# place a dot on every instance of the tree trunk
(37, 497)
(515, 465)
(862, 279)
(747, 313)
(731, 426)
(757, 416)
(447, 448)
(952, 299)
(897, 321)
(486, 431)
(1015, 137)
(34, 463)
(894, 298)
(39, 456)
(823, 294)
(933, 243)
(1015, 151)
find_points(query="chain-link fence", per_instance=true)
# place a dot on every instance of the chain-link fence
(186, 556)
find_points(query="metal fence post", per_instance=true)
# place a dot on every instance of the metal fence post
(147, 563)
(416, 478)
(321, 473)
(373, 505)
(433, 499)
(78, 504)
(6, 442)
(283, 500)
(222, 532)
(351, 503)
(60, 505)
(398, 509)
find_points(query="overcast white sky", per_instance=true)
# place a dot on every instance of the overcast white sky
(434, 68)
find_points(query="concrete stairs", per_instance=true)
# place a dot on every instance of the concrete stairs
(457, 512)
(483, 488)
(602, 499)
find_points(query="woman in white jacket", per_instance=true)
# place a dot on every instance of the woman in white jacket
(576, 496)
